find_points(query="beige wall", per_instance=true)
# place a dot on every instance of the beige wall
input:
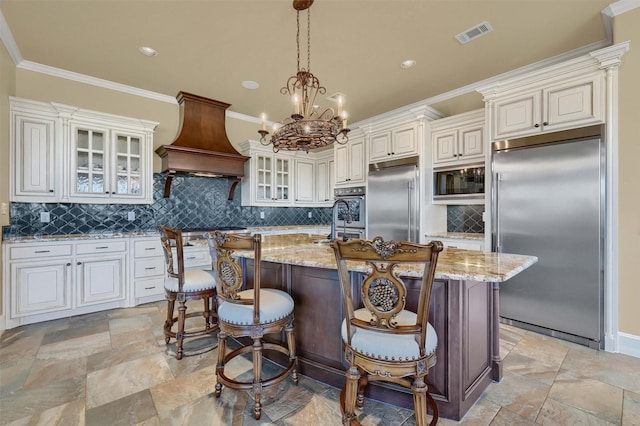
(626, 28)
(7, 88)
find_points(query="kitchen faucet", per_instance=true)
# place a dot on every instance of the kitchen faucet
(346, 220)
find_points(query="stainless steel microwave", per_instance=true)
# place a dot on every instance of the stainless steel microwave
(451, 183)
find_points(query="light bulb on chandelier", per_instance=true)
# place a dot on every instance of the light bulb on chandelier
(306, 129)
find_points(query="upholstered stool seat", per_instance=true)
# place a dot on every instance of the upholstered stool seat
(252, 313)
(385, 346)
(274, 306)
(181, 286)
(383, 341)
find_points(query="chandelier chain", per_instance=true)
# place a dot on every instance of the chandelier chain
(309, 40)
(298, 36)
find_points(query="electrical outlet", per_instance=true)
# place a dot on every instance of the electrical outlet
(45, 217)
(4, 208)
(261, 215)
(131, 216)
(310, 215)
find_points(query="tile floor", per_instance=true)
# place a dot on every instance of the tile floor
(113, 368)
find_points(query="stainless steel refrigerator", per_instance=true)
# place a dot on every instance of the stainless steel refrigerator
(548, 201)
(392, 200)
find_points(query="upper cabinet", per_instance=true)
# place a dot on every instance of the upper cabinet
(350, 162)
(285, 178)
(394, 143)
(66, 154)
(458, 139)
(569, 104)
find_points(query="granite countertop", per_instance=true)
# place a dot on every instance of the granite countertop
(457, 264)
(456, 235)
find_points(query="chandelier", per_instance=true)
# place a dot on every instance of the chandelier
(305, 129)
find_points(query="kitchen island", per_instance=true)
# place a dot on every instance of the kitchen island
(464, 313)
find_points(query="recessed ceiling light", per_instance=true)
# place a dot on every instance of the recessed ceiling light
(248, 84)
(409, 63)
(148, 51)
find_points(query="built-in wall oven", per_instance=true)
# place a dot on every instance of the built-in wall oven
(354, 216)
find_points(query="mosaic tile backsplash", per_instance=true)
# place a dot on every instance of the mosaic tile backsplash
(195, 202)
(465, 218)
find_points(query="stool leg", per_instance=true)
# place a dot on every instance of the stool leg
(222, 347)
(291, 342)
(362, 384)
(207, 313)
(182, 308)
(257, 377)
(169, 321)
(419, 388)
(351, 390)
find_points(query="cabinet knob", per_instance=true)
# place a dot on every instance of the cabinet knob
(51, 190)
(393, 153)
(113, 192)
(536, 125)
(388, 153)
(69, 264)
(546, 123)
(106, 192)
(79, 263)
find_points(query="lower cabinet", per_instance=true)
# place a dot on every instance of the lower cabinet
(148, 270)
(48, 280)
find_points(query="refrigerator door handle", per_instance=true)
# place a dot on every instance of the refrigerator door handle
(496, 179)
(409, 211)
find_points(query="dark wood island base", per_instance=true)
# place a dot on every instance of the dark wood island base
(463, 312)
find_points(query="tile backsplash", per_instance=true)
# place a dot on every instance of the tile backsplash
(195, 202)
(465, 218)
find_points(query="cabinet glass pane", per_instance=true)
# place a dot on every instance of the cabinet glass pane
(135, 165)
(83, 139)
(82, 182)
(97, 184)
(122, 185)
(97, 162)
(267, 163)
(135, 146)
(83, 160)
(121, 145)
(123, 167)
(135, 186)
(97, 141)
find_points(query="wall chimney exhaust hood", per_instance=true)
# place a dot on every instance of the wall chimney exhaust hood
(201, 147)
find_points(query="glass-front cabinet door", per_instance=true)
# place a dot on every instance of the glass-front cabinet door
(264, 181)
(128, 164)
(283, 178)
(90, 162)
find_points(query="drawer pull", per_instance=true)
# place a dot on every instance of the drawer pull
(102, 247)
(42, 251)
(150, 268)
(453, 246)
(192, 257)
(150, 288)
(150, 248)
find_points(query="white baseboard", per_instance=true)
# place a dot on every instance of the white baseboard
(2, 324)
(629, 344)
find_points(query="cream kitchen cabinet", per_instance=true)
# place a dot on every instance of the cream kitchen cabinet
(305, 181)
(324, 178)
(395, 143)
(100, 271)
(34, 153)
(148, 271)
(48, 280)
(61, 153)
(350, 162)
(568, 104)
(458, 139)
(268, 176)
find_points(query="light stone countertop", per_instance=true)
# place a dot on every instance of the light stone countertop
(456, 235)
(457, 264)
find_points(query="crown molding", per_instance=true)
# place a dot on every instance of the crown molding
(9, 42)
(620, 7)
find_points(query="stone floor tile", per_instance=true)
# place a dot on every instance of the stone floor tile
(597, 398)
(47, 371)
(118, 354)
(183, 390)
(631, 409)
(129, 323)
(78, 327)
(75, 348)
(14, 373)
(481, 414)
(130, 410)
(112, 383)
(320, 409)
(70, 414)
(554, 413)
(530, 368)
(506, 417)
(518, 394)
(546, 350)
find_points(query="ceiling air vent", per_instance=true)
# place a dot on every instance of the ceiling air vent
(475, 32)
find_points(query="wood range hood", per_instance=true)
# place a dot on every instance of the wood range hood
(201, 147)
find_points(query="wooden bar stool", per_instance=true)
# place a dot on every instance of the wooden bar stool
(182, 286)
(250, 313)
(383, 341)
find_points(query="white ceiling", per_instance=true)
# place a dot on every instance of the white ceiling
(209, 47)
